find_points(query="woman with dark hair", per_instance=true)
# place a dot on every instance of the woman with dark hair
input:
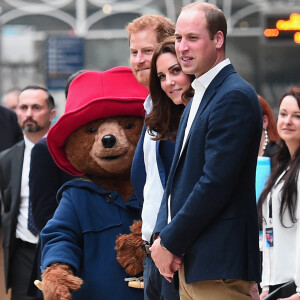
(278, 206)
(170, 90)
(168, 87)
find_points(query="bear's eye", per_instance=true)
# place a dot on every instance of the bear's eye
(91, 130)
(129, 125)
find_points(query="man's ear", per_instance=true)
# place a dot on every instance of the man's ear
(219, 38)
(52, 114)
(265, 121)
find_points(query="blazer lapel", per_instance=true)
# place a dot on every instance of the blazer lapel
(209, 94)
(179, 140)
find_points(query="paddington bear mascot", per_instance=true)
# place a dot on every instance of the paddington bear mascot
(95, 139)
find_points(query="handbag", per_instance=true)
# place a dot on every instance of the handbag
(286, 290)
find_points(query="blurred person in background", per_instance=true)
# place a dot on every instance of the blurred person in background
(10, 98)
(267, 148)
(10, 131)
(278, 205)
(270, 137)
(10, 134)
(35, 112)
(152, 159)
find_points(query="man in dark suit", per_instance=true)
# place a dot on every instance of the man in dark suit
(10, 131)
(35, 112)
(208, 221)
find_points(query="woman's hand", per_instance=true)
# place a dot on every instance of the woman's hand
(263, 295)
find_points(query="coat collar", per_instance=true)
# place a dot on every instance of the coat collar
(110, 196)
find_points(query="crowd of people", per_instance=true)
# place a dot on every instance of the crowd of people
(194, 171)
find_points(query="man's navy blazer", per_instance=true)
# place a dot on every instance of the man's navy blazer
(212, 185)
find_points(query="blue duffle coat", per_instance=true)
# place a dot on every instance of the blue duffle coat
(83, 232)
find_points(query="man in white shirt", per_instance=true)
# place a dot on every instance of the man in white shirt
(152, 159)
(35, 112)
(208, 215)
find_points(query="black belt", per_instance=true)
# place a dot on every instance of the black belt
(24, 244)
(146, 247)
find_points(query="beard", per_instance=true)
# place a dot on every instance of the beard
(143, 77)
(31, 127)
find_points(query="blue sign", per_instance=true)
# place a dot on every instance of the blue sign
(65, 55)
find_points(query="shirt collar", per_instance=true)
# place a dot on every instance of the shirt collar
(205, 79)
(28, 144)
(148, 104)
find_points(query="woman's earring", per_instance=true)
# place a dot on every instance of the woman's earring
(266, 139)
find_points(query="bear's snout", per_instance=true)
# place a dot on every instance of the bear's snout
(108, 141)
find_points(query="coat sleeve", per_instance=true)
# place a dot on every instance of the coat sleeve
(61, 238)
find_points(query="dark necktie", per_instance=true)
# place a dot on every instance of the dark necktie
(30, 225)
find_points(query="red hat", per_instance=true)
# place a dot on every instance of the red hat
(93, 95)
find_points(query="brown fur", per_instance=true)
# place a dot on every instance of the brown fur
(65, 281)
(114, 174)
(130, 255)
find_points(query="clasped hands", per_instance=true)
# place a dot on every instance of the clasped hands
(166, 262)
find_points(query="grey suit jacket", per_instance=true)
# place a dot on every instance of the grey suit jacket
(11, 164)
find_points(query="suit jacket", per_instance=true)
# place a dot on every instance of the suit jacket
(11, 164)
(45, 179)
(164, 155)
(212, 185)
(10, 131)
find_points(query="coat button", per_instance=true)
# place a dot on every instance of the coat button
(108, 198)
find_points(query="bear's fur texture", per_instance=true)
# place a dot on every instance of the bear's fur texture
(130, 254)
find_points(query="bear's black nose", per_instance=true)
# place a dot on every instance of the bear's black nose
(109, 141)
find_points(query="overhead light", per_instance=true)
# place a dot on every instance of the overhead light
(107, 9)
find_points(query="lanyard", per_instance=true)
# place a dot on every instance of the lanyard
(270, 206)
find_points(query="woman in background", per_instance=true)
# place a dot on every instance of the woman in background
(278, 205)
(268, 146)
(270, 137)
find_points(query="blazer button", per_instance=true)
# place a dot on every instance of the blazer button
(108, 198)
